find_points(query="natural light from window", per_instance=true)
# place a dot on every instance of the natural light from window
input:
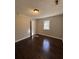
(46, 45)
(46, 25)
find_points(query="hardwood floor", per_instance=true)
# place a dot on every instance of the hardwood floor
(41, 47)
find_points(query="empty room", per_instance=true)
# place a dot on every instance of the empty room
(38, 29)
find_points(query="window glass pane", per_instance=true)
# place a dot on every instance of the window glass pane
(46, 25)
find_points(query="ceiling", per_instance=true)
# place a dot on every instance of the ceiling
(46, 8)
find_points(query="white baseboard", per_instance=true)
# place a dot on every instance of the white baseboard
(21, 39)
(40, 34)
(51, 36)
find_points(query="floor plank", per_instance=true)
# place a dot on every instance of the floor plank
(41, 47)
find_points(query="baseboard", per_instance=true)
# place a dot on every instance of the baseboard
(51, 36)
(39, 34)
(21, 39)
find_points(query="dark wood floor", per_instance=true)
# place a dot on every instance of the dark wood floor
(41, 47)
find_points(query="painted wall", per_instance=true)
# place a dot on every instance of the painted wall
(22, 27)
(22, 24)
(56, 26)
(33, 27)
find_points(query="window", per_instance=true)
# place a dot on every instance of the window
(46, 25)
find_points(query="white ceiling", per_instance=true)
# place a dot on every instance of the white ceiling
(46, 7)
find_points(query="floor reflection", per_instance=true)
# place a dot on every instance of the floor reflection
(46, 45)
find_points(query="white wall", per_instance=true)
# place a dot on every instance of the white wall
(33, 27)
(56, 26)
